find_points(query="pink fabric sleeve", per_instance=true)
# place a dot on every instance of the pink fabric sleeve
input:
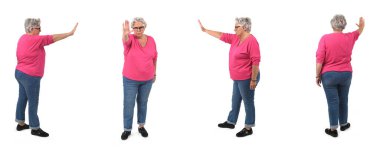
(155, 48)
(228, 38)
(44, 40)
(355, 35)
(321, 52)
(254, 52)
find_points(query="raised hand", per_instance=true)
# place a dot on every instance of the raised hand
(361, 24)
(202, 28)
(74, 29)
(126, 29)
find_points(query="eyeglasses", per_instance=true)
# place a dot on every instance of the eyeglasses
(37, 28)
(236, 27)
(139, 28)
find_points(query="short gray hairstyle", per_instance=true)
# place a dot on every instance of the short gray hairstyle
(138, 19)
(338, 22)
(245, 22)
(31, 23)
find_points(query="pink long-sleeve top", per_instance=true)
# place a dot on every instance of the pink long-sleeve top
(334, 51)
(31, 54)
(242, 57)
(139, 61)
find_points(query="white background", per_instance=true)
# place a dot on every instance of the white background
(81, 97)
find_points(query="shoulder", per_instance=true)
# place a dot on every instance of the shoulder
(150, 38)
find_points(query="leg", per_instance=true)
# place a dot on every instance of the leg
(249, 105)
(33, 93)
(343, 91)
(236, 102)
(331, 90)
(130, 91)
(22, 100)
(142, 101)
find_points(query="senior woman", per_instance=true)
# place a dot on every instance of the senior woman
(335, 72)
(244, 59)
(30, 70)
(139, 73)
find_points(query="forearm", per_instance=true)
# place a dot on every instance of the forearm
(255, 71)
(215, 34)
(125, 37)
(58, 37)
(318, 70)
(155, 67)
(360, 29)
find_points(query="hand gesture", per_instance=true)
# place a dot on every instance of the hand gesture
(126, 29)
(361, 23)
(74, 29)
(202, 28)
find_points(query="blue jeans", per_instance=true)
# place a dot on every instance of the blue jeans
(29, 90)
(133, 88)
(242, 91)
(337, 86)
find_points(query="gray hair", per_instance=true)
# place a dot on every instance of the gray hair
(138, 19)
(31, 23)
(245, 22)
(338, 22)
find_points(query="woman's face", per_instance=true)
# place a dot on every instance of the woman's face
(36, 31)
(238, 29)
(138, 29)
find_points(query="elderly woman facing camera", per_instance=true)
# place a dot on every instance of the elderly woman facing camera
(244, 59)
(139, 73)
(335, 72)
(29, 72)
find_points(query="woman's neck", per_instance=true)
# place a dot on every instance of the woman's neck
(243, 36)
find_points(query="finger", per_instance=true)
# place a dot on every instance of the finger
(127, 24)
(318, 83)
(200, 24)
(75, 27)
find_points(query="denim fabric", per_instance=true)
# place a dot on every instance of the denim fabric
(135, 91)
(337, 86)
(242, 91)
(29, 91)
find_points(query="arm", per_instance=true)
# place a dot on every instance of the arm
(126, 30)
(155, 69)
(58, 37)
(215, 34)
(255, 71)
(321, 55)
(318, 74)
(361, 25)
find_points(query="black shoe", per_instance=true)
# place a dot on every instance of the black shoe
(19, 127)
(345, 127)
(39, 132)
(330, 132)
(143, 132)
(244, 132)
(226, 125)
(125, 135)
